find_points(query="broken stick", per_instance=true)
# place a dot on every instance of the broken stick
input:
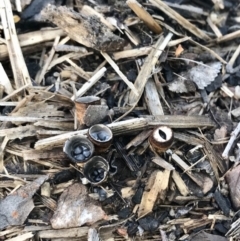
(144, 16)
(146, 69)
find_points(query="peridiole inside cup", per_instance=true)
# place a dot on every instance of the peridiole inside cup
(79, 149)
(101, 136)
(96, 170)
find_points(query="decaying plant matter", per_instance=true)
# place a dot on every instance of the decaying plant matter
(119, 120)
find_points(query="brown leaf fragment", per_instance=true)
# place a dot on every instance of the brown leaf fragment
(182, 86)
(220, 133)
(203, 75)
(76, 208)
(233, 180)
(203, 236)
(179, 50)
(15, 208)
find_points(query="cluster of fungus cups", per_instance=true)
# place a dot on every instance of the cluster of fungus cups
(80, 150)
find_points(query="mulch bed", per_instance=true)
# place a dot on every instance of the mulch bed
(120, 120)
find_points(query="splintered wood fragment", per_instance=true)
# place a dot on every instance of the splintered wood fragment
(147, 68)
(22, 237)
(48, 61)
(180, 183)
(39, 154)
(181, 20)
(162, 163)
(229, 146)
(158, 185)
(120, 73)
(33, 38)
(205, 183)
(229, 37)
(214, 28)
(92, 81)
(144, 16)
(94, 34)
(25, 119)
(139, 139)
(132, 53)
(70, 48)
(215, 160)
(15, 92)
(67, 58)
(64, 233)
(180, 121)
(19, 68)
(79, 70)
(56, 125)
(152, 99)
(119, 128)
(231, 62)
(4, 81)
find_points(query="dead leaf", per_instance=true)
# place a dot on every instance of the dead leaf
(203, 75)
(179, 50)
(182, 86)
(76, 208)
(203, 236)
(220, 133)
(233, 180)
(15, 208)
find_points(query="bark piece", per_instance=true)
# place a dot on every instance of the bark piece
(158, 185)
(233, 179)
(88, 31)
(75, 208)
(15, 208)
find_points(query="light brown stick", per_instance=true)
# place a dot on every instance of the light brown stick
(146, 69)
(144, 16)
